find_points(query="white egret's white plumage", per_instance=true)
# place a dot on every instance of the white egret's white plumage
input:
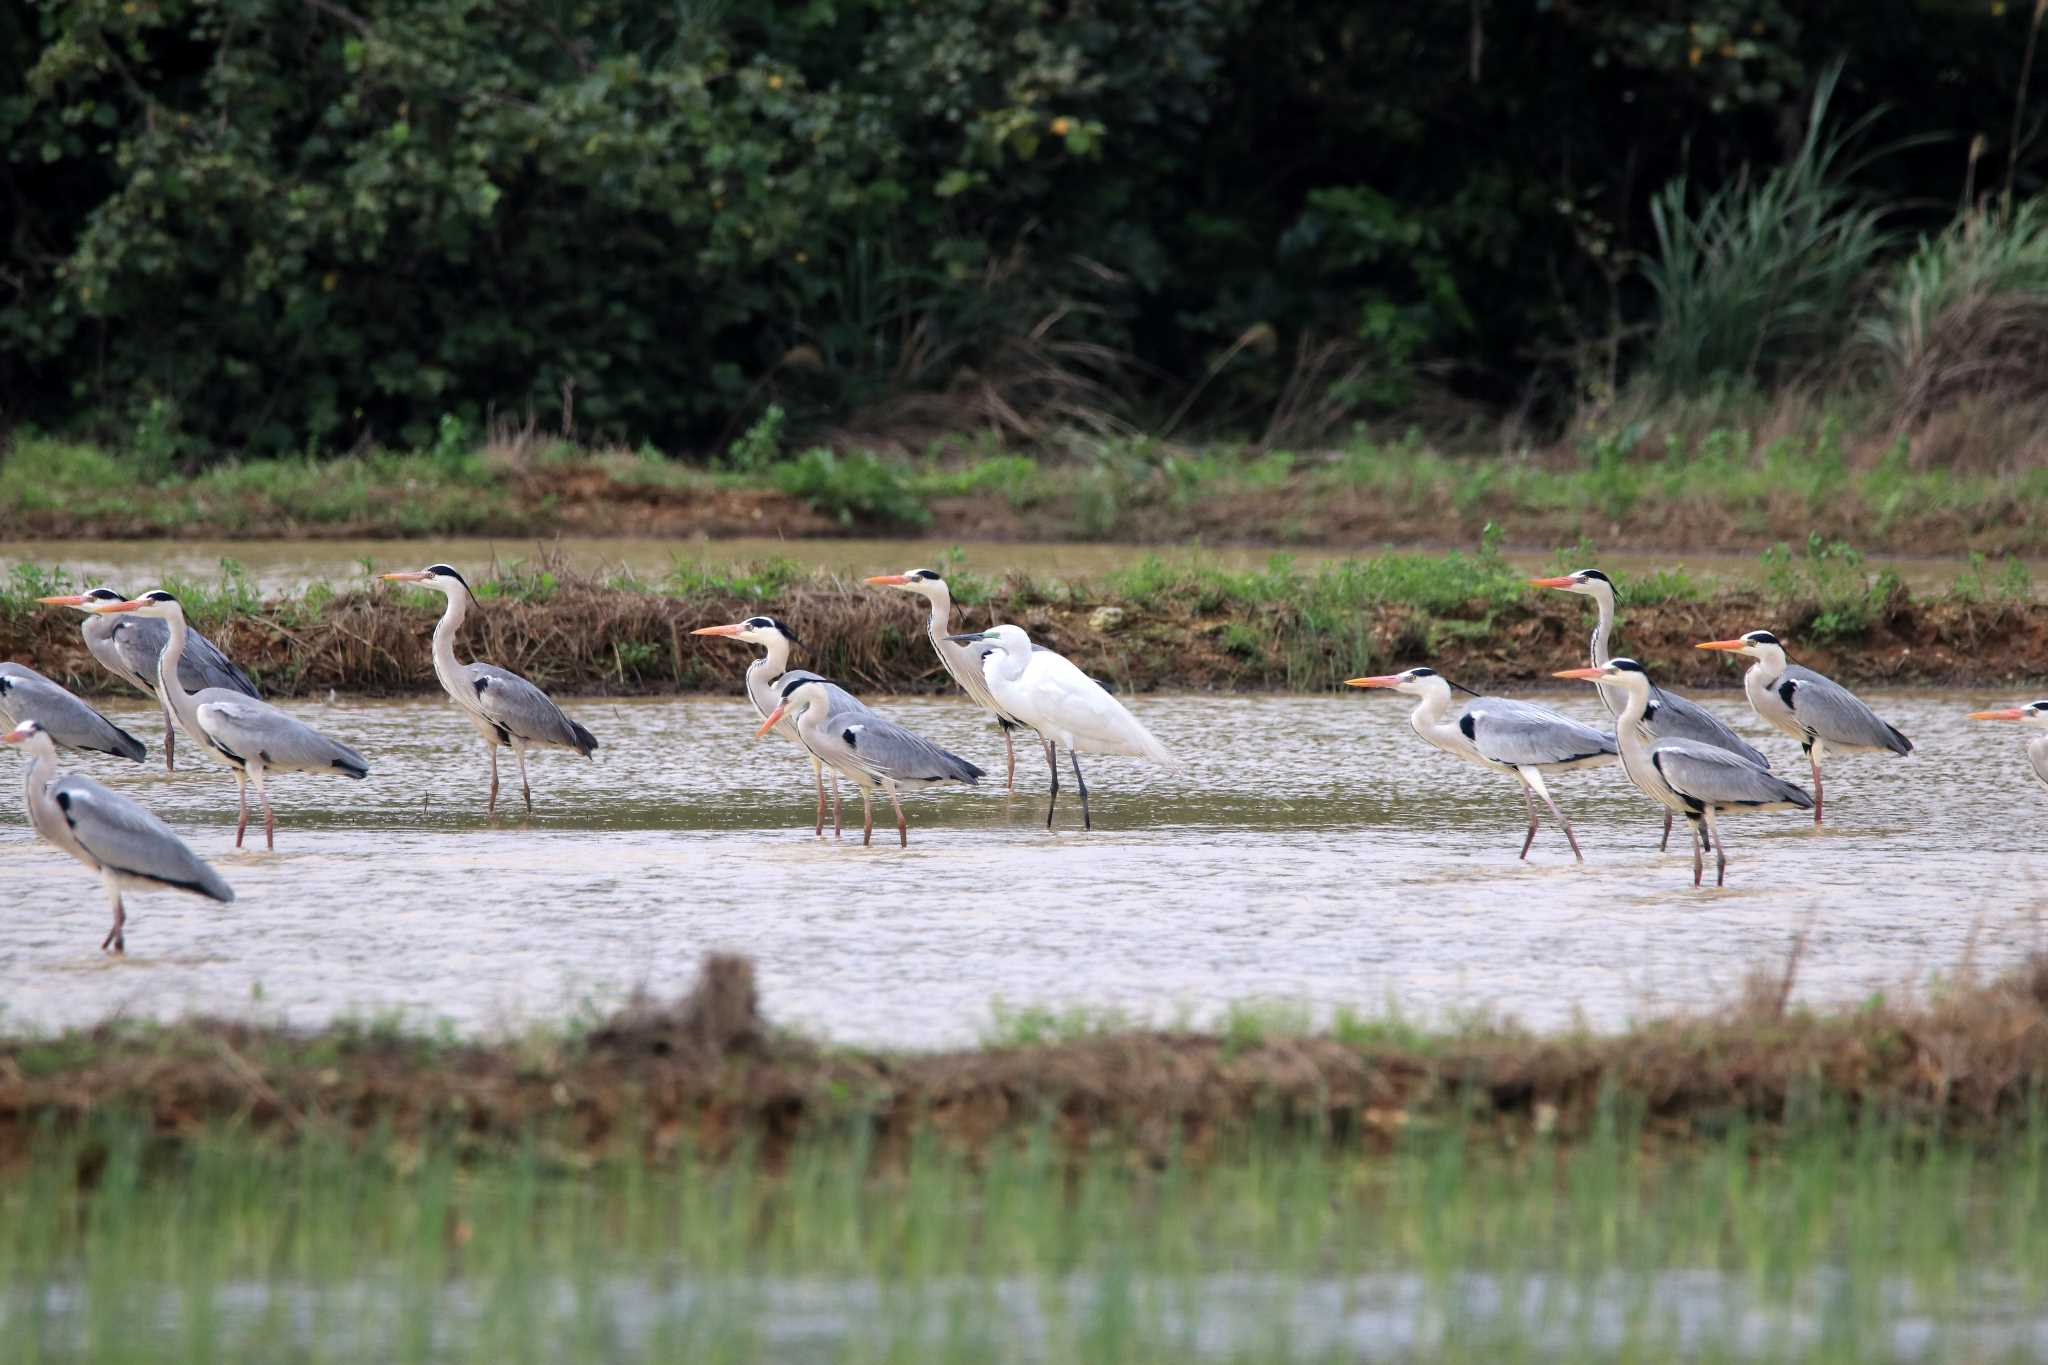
(128, 647)
(1518, 738)
(1046, 693)
(869, 750)
(964, 664)
(1686, 777)
(507, 710)
(1824, 716)
(765, 676)
(27, 695)
(129, 848)
(253, 738)
(2034, 715)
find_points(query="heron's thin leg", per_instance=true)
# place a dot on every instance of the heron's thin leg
(115, 937)
(1052, 762)
(1665, 842)
(1529, 800)
(818, 776)
(1569, 837)
(269, 820)
(1010, 750)
(837, 819)
(902, 826)
(1814, 759)
(1074, 757)
(491, 806)
(1699, 866)
(170, 738)
(519, 752)
(867, 819)
(242, 791)
(1720, 850)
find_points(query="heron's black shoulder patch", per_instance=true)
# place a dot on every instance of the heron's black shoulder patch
(1465, 725)
(480, 684)
(1786, 689)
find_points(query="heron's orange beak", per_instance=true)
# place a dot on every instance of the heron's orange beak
(75, 600)
(1383, 680)
(1732, 646)
(888, 580)
(718, 630)
(1582, 674)
(108, 608)
(769, 724)
(2010, 713)
(16, 735)
(1565, 582)
(409, 576)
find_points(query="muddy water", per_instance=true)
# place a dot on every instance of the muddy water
(278, 565)
(1316, 854)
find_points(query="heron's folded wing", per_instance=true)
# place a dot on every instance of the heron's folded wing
(123, 836)
(517, 706)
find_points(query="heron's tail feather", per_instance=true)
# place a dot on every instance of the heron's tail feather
(349, 763)
(127, 746)
(586, 743)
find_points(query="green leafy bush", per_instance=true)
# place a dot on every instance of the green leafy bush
(860, 486)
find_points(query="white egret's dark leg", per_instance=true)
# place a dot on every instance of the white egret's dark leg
(491, 806)
(269, 820)
(1720, 850)
(1074, 757)
(115, 938)
(1533, 780)
(242, 791)
(519, 752)
(1052, 761)
(1814, 759)
(1010, 751)
(902, 825)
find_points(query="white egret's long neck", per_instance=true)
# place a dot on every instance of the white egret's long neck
(762, 673)
(1009, 664)
(445, 666)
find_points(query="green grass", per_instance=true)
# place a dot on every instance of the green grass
(113, 1248)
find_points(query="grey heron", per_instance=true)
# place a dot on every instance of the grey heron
(1046, 693)
(1518, 738)
(764, 678)
(129, 848)
(252, 737)
(27, 695)
(871, 752)
(1669, 716)
(962, 663)
(2034, 714)
(508, 711)
(1695, 780)
(1824, 716)
(128, 646)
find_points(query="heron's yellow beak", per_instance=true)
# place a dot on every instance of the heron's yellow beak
(1384, 680)
(769, 724)
(1566, 581)
(75, 600)
(718, 630)
(2010, 713)
(1732, 646)
(408, 576)
(1582, 674)
(888, 580)
(108, 608)
(16, 735)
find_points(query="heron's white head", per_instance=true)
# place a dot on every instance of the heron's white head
(1008, 639)
(439, 577)
(2033, 713)
(1626, 673)
(1758, 644)
(1416, 682)
(755, 630)
(1585, 582)
(86, 601)
(32, 737)
(797, 697)
(924, 582)
(156, 602)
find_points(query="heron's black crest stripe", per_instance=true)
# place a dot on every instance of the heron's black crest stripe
(448, 571)
(1462, 688)
(1594, 573)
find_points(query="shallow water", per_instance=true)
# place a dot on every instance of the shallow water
(1316, 853)
(279, 565)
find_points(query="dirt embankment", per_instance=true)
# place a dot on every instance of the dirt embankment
(589, 639)
(707, 1075)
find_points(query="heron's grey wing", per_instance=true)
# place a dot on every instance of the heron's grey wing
(888, 750)
(1677, 718)
(841, 704)
(1837, 715)
(125, 838)
(1525, 734)
(204, 665)
(27, 695)
(137, 641)
(1718, 778)
(256, 729)
(522, 710)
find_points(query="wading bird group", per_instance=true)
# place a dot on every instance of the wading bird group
(1675, 752)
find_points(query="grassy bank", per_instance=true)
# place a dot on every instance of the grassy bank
(1153, 625)
(1760, 1182)
(1669, 485)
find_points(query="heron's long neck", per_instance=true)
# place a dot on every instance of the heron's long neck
(1769, 666)
(445, 666)
(1603, 629)
(1431, 717)
(167, 684)
(940, 623)
(762, 673)
(1628, 728)
(41, 770)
